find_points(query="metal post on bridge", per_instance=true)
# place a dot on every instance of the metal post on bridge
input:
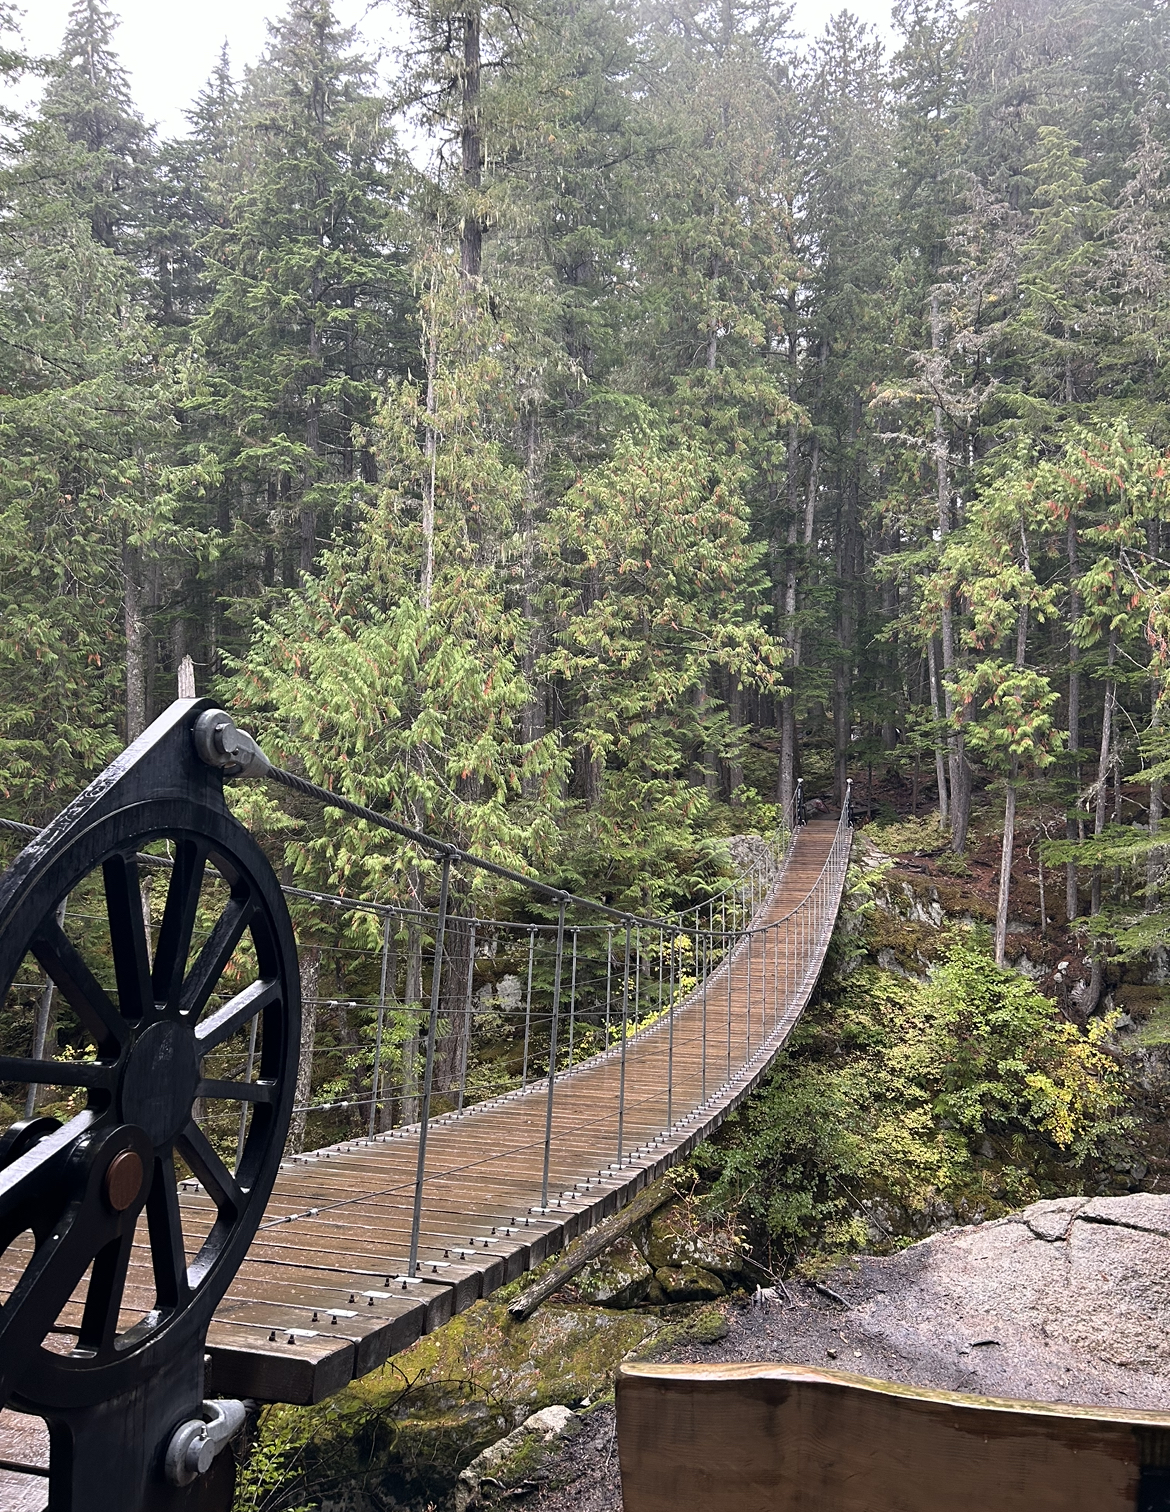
(608, 980)
(637, 976)
(775, 976)
(528, 1007)
(622, 1076)
(573, 999)
(552, 1051)
(429, 1072)
(466, 1022)
(705, 943)
(751, 945)
(727, 973)
(387, 924)
(670, 1043)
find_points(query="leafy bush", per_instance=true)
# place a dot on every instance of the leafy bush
(902, 1106)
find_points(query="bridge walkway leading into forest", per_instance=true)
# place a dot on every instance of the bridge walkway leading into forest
(325, 1294)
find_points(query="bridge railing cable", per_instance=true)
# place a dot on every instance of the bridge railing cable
(775, 958)
(699, 998)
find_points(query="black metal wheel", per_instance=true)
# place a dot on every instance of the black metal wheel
(175, 1065)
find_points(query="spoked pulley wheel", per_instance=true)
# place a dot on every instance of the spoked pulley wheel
(164, 1086)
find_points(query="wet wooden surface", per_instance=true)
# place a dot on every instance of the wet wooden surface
(23, 1441)
(791, 1438)
(323, 1297)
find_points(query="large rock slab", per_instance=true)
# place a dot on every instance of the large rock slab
(1083, 1283)
(1066, 1301)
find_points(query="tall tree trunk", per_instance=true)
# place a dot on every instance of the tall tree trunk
(731, 765)
(1005, 864)
(471, 143)
(427, 569)
(707, 757)
(532, 719)
(786, 631)
(940, 758)
(847, 527)
(310, 992)
(1074, 823)
(1104, 762)
(1009, 808)
(385, 1117)
(1154, 859)
(135, 632)
(960, 770)
(453, 992)
(787, 704)
(308, 515)
(412, 997)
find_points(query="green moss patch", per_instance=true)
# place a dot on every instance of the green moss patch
(404, 1432)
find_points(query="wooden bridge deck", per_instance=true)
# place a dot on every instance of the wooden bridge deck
(321, 1298)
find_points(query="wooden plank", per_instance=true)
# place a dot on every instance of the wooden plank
(246, 1363)
(791, 1438)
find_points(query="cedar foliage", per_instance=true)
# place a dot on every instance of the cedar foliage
(693, 407)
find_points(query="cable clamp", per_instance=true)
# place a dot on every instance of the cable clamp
(221, 744)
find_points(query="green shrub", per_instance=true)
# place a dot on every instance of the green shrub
(902, 1106)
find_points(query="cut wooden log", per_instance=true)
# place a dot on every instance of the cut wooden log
(590, 1245)
(792, 1438)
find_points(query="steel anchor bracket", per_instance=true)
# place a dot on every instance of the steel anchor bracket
(195, 1444)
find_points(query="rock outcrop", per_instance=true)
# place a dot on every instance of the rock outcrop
(516, 1460)
(675, 1256)
(1066, 1286)
(1067, 1300)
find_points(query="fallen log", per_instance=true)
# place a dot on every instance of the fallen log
(590, 1245)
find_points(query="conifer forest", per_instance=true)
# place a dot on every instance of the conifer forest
(573, 432)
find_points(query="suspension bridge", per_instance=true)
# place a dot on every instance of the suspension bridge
(327, 1294)
(308, 1270)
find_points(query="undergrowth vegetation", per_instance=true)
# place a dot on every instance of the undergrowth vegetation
(902, 1106)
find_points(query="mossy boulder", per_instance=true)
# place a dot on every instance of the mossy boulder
(618, 1278)
(516, 1461)
(689, 1283)
(678, 1238)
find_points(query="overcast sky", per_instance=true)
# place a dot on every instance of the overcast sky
(169, 50)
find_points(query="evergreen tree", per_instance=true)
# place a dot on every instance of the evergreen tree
(307, 293)
(92, 137)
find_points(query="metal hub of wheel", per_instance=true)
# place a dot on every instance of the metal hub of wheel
(174, 974)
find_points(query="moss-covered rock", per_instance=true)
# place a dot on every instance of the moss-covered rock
(618, 1278)
(516, 1461)
(689, 1283)
(678, 1236)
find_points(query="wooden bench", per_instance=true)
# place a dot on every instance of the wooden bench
(791, 1438)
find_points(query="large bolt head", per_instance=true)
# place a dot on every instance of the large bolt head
(124, 1180)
